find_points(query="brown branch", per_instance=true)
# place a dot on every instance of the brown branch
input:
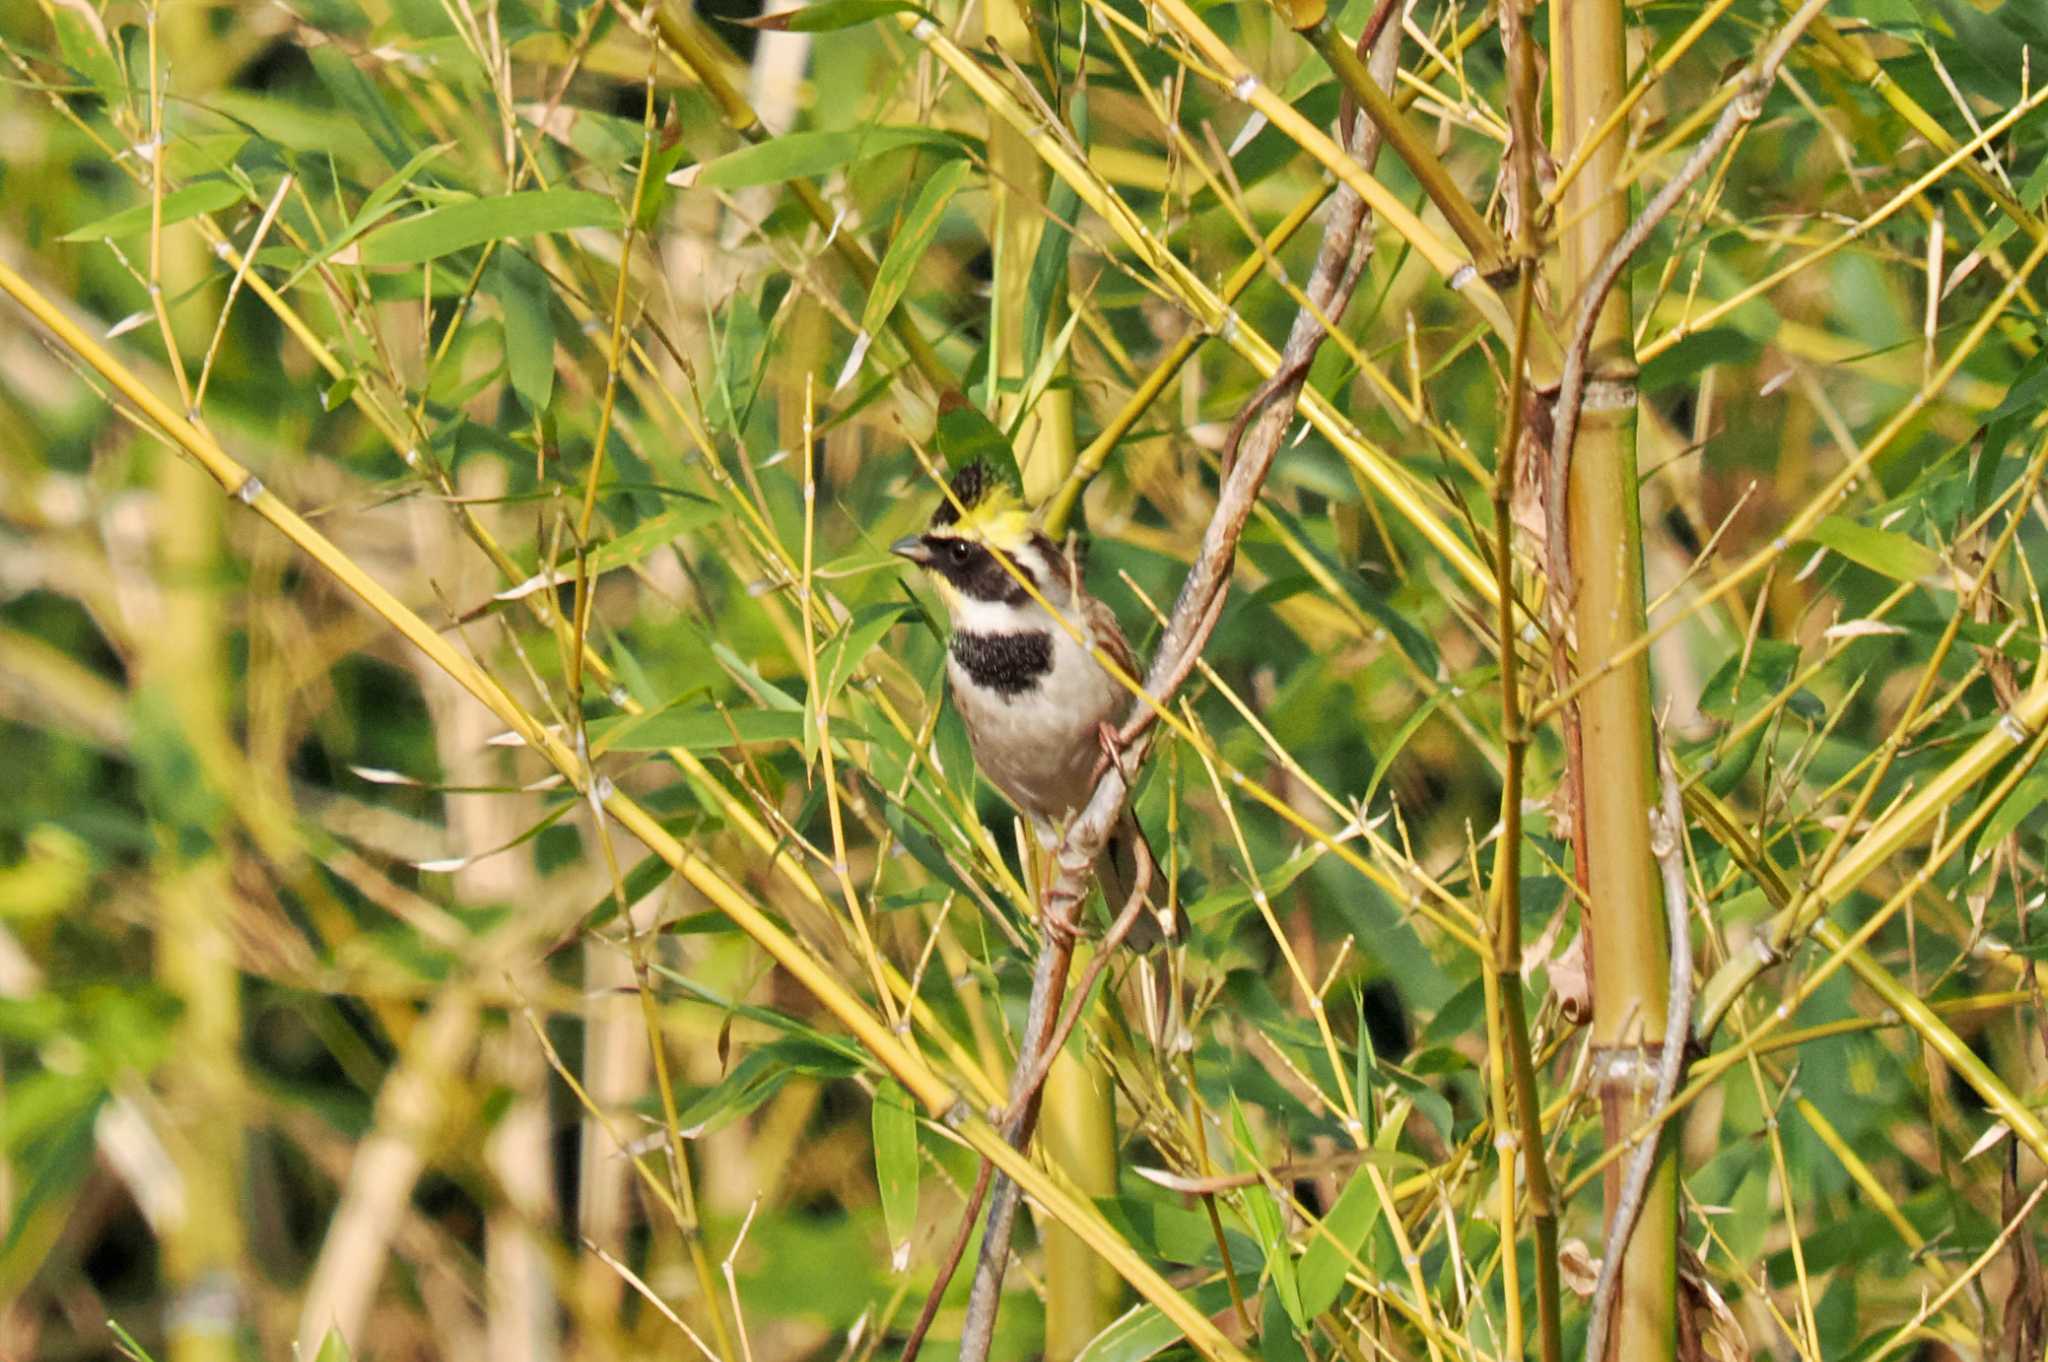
(1249, 457)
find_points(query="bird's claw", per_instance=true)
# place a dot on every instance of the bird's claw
(1058, 926)
(1112, 744)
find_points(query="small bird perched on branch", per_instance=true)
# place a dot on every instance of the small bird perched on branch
(1040, 710)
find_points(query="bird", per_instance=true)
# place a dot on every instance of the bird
(1040, 709)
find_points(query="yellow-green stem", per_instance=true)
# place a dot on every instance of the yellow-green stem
(1616, 761)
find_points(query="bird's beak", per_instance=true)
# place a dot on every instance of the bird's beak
(912, 547)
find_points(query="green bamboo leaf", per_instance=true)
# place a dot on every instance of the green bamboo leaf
(1273, 883)
(363, 102)
(1702, 350)
(650, 534)
(333, 1348)
(522, 293)
(1399, 742)
(922, 847)
(191, 157)
(1045, 289)
(387, 193)
(1740, 684)
(895, 1133)
(1886, 552)
(829, 16)
(740, 347)
(801, 155)
(1726, 773)
(1277, 1342)
(965, 436)
(2026, 796)
(1330, 1252)
(1265, 1217)
(950, 744)
(1179, 1234)
(759, 1077)
(857, 640)
(1143, 1332)
(759, 686)
(643, 879)
(207, 196)
(920, 228)
(442, 231)
(86, 53)
(697, 730)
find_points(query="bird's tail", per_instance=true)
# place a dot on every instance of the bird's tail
(1118, 872)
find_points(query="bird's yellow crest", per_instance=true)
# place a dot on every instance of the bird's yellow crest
(984, 509)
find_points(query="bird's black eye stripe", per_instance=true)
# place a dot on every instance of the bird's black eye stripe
(960, 550)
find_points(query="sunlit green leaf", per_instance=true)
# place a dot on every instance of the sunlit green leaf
(522, 292)
(1330, 1253)
(1883, 551)
(205, 196)
(919, 228)
(801, 154)
(698, 730)
(896, 1166)
(829, 15)
(442, 231)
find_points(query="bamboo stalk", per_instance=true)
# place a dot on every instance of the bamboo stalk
(1602, 580)
(184, 666)
(1077, 1132)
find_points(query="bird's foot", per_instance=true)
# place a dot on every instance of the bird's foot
(1059, 919)
(1112, 745)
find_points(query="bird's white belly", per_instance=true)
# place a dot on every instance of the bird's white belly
(1039, 746)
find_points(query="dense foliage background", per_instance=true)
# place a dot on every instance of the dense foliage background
(616, 342)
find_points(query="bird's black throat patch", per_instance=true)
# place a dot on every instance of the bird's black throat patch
(1008, 664)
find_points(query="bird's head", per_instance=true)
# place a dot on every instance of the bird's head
(981, 513)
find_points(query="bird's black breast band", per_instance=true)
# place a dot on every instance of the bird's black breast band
(1008, 664)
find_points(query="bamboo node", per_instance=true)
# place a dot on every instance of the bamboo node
(1628, 1066)
(1244, 87)
(2010, 725)
(618, 695)
(602, 789)
(251, 488)
(1609, 394)
(1463, 275)
(211, 1305)
(923, 29)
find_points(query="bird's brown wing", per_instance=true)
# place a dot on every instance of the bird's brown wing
(1109, 636)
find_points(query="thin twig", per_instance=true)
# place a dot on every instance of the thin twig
(1667, 839)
